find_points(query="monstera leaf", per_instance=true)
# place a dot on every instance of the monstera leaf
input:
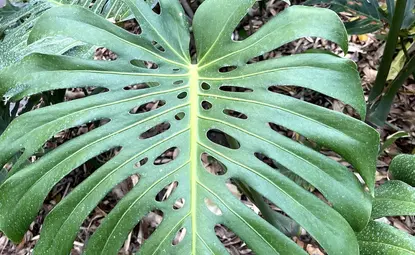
(393, 198)
(403, 168)
(380, 238)
(365, 15)
(16, 23)
(198, 97)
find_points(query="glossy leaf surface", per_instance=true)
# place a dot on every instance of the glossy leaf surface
(197, 92)
(380, 238)
(365, 16)
(393, 198)
(403, 168)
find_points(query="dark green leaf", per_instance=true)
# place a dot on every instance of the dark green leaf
(179, 83)
(379, 238)
(393, 198)
(403, 168)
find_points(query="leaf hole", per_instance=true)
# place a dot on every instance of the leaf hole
(158, 46)
(227, 69)
(237, 189)
(235, 89)
(176, 70)
(179, 236)
(206, 105)
(182, 95)
(213, 207)
(235, 114)
(122, 188)
(285, 171)
(212, 165)
(141, 163)
(143, 230)
(137, 86)
(180, 116)
(223, 139)
(167, 156)
(147, 107)
(9, 164)
(133, 27)
(205, 86)
(143, 64)
(179, 203)
(156, 7)
(314, 97)
(74, 178)
(233, 243)
(166, 192)
(64, 136)
(104, 54)
(156, 130)
(178, 82)
(72, 94)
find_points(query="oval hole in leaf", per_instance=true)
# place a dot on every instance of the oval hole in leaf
(227, 69)
(178, 82)
(104, 54)
(138, 86)
(213, 207)
(141, 163)
(144, 64)
(179, 236)
(147, 107)
(235, 114)
(205, 86)
(234, 89)
(182, 95)
(166, 192)
(167, 156)
(158, 46)
(221, 138)
(179, 203)
(133, 27)
(212, 165)
(180, 116)
(206, 105)
(156, 130)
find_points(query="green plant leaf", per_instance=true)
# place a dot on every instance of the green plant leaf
(16, 24)
(393, 198)
(391, 139)
(409, 18)
(379, 238)
(366, 16)
(197, 91)
(3, 175)
(398, 63)
(403, 168)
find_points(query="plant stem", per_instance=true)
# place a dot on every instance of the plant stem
(405, 51)
(187, 8)
(382, 109)
(389, 52)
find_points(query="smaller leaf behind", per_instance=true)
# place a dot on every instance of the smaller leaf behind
(393, 198)
(403, 168)
(379, 238)
(366, 16)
